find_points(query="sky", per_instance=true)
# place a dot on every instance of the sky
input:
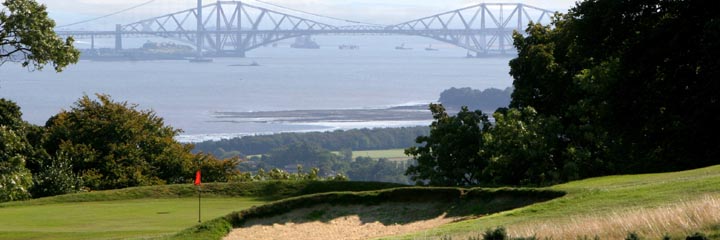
(374, 11)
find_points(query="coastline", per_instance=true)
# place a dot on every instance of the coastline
(318, 120)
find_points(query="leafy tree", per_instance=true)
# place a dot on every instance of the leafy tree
(115, 145)
(522, 148)
(16, 153)
(449, 155)
(15, 179)
(27, 36)
(632, 83)
(56, 177)
(217, 170)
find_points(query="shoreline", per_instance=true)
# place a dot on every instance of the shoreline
(317, 120)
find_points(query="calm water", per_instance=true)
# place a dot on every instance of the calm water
(188, 94)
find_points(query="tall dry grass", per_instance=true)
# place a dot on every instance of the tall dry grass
(683, 218)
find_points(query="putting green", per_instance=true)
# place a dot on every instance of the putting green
(134, 219)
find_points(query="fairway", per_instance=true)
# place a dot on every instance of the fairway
(126, 219)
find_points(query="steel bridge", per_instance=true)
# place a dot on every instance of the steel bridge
(232, 27)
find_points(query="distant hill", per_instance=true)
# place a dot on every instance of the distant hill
(487, 100)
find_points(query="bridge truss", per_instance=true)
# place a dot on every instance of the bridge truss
(234, 27)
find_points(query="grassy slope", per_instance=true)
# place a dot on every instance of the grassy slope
(599, 196)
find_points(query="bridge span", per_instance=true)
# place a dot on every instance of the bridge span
(232, 27)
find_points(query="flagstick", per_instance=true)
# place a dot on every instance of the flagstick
(199, 194)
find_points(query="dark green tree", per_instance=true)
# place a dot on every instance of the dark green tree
(632, 83)
(17, 155)
(115, 145)
(522, 147)
(27, 36)
(449, 155)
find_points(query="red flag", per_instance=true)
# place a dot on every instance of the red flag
(197, 178)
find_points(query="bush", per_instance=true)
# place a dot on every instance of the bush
(697, 236)
(497, 234)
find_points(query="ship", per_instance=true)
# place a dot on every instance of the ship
(348, 47)
(402, 47)
(305, 42)
(430, 48)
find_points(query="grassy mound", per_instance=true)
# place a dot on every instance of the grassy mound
(456, 201)
(652, 205)
(268, 190)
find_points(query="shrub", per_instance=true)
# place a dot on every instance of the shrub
(497, 234)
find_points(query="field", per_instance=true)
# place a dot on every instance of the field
(139, 218)
(390, 154)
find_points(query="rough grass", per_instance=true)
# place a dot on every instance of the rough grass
(595, 207)
(652, 223)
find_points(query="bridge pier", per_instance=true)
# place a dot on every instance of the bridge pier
(118, 37)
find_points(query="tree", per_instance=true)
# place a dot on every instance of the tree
(27, 36)
(523, 149)
(449, 155)
(632, 83)
(115, 145)
(16, 153)
(15, 179)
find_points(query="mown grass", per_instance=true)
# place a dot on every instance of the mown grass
(118, 219)
(603, 199)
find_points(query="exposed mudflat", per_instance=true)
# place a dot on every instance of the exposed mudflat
(345, 222)
(405, 113)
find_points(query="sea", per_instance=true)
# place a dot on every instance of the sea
(190, 95)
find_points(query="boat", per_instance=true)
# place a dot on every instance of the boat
(348, 47)
(253, 64)
(402, 47)
(430, 48)
(200, 60)
(305, 42)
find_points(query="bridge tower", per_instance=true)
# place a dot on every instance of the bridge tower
(200, 29)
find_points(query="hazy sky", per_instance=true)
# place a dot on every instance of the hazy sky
(376, 11)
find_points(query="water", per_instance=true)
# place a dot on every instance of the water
(187, 95)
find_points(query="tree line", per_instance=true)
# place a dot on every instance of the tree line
(356, 139)
(612, 87)
(485, 100)
(307, 155)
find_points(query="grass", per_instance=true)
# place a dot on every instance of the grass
(456, 202)
(391, 154)
(599, 206)
(148, 212)
(119, 219)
